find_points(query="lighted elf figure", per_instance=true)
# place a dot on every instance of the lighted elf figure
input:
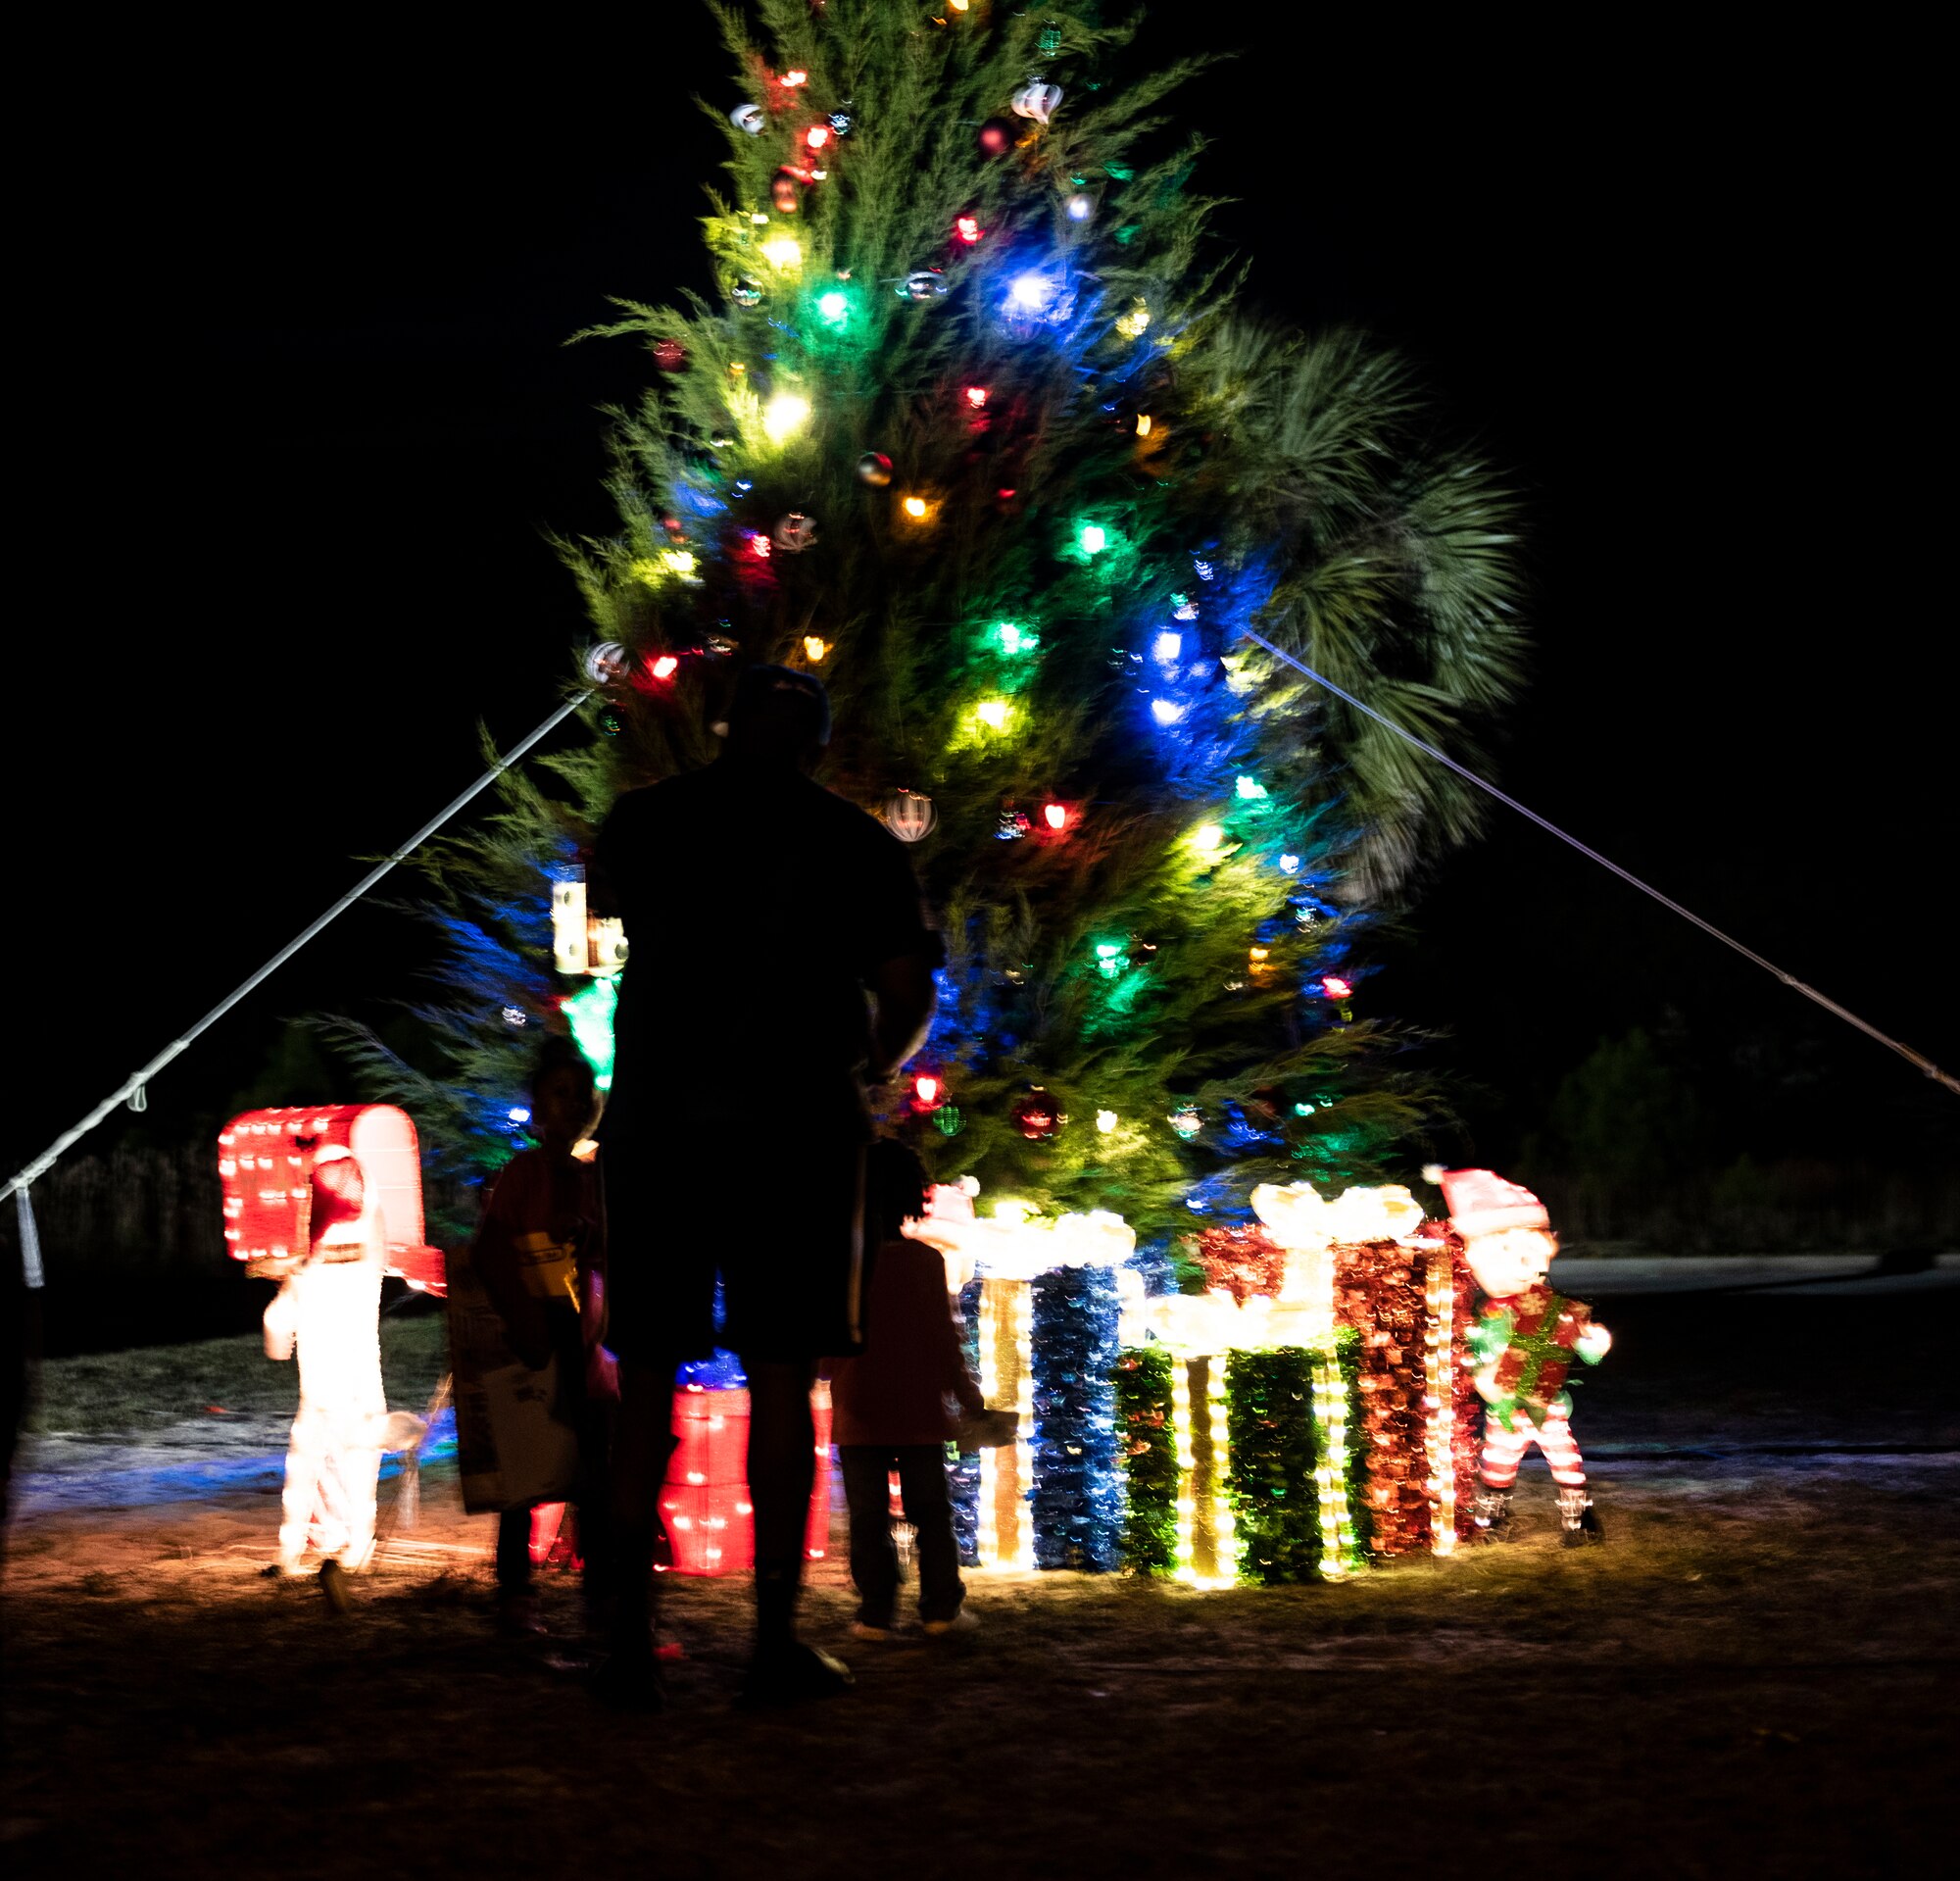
(330, 1307)
(1523, 1345)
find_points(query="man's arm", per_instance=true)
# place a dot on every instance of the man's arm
(903, 997)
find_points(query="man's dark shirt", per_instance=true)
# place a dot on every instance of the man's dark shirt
(757, 908)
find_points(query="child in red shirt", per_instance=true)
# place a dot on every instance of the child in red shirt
(889, 1406)
(539, 1254)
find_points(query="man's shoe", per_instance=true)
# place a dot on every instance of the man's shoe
(518, 1616)
(962, 1622)
(631, 1682)
(793, 1674)
(864, 1630)
(333, 1585)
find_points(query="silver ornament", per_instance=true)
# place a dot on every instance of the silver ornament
(875, 469)
(927, 284)
(605, 664)
(910, 815)
(746, 292)
(1036, 100)
(795, 533)
(749, 118)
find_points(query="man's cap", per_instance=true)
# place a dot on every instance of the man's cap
(781, 697)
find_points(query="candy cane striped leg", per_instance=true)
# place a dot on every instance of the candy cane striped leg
(1503, 1451)
(1568, 1467)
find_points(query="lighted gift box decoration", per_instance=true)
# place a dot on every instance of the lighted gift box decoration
(1312, 1407)
(264, 1162)
(1042, 1301)
(705, 1504)
(584, 942)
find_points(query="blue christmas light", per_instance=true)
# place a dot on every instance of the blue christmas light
(1167, 711)
(1168, 648)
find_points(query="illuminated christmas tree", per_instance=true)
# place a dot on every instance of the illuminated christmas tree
(976, 432)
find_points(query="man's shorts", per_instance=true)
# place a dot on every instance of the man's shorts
(781, 1229)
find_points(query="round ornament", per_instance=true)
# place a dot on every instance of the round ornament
(607, 663)
(669, 355)
(1037, 100)
(840, 124)
(910, 815)
(749, 118)
(926, 284)
(795, 533)
(947, 1119)
(1035, 1116)
(783, 192)
(1187, 1122)
(875, 469)
(746, 292)
(996, 137)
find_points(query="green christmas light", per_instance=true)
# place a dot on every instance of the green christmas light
(1014, 638)
(589, 1012)
(1110, 959)
(1093, 537)
(1252, 791)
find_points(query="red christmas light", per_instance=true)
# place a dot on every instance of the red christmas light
(816, 136)
(665, 667)
(758, 546)
(976, 396)
(1055, 816)
(928, 1092)
(967, 228)
(1335, 987)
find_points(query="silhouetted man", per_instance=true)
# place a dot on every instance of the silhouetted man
(760, 911)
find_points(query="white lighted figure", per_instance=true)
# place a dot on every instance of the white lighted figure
(1523, 1345)
(330, 1308)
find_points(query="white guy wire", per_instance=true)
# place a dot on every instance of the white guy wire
(1790, 980)
(136, 1080)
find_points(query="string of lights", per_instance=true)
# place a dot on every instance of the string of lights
(1490, 789)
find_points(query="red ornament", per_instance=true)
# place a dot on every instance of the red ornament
(669, 355)
(1036, 1116)
(783, 193)
(996, 137)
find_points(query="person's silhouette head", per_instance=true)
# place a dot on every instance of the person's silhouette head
(779, 717)
(895, 1188)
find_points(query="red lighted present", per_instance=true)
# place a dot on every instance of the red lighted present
(704, 1502)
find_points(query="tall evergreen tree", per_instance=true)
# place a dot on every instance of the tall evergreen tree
(976, 430)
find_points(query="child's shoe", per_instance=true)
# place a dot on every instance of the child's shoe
(962, 1622)
(864, 1630)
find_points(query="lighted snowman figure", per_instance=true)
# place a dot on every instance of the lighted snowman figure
(329, 1307)
(1523, 1345)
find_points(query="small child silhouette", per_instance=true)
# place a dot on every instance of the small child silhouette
(890, 1409)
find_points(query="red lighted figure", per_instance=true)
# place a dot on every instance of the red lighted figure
(1522, 1346)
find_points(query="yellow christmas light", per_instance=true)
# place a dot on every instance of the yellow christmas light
(783, 251)
(1207, 839)
(1134, 323)
(785, 415)
(1223, 1527)
(992, 714)
(915, 507)
(814, 648)
(1186, 1462)
(1107, 1121)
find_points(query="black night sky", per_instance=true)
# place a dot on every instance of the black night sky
(304, 415)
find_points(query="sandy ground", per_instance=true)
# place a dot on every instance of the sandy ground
(1756, 1674)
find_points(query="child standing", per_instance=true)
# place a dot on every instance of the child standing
(540, 1255)
(889, 1406)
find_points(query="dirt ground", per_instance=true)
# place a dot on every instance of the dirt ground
(1756, 1674)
